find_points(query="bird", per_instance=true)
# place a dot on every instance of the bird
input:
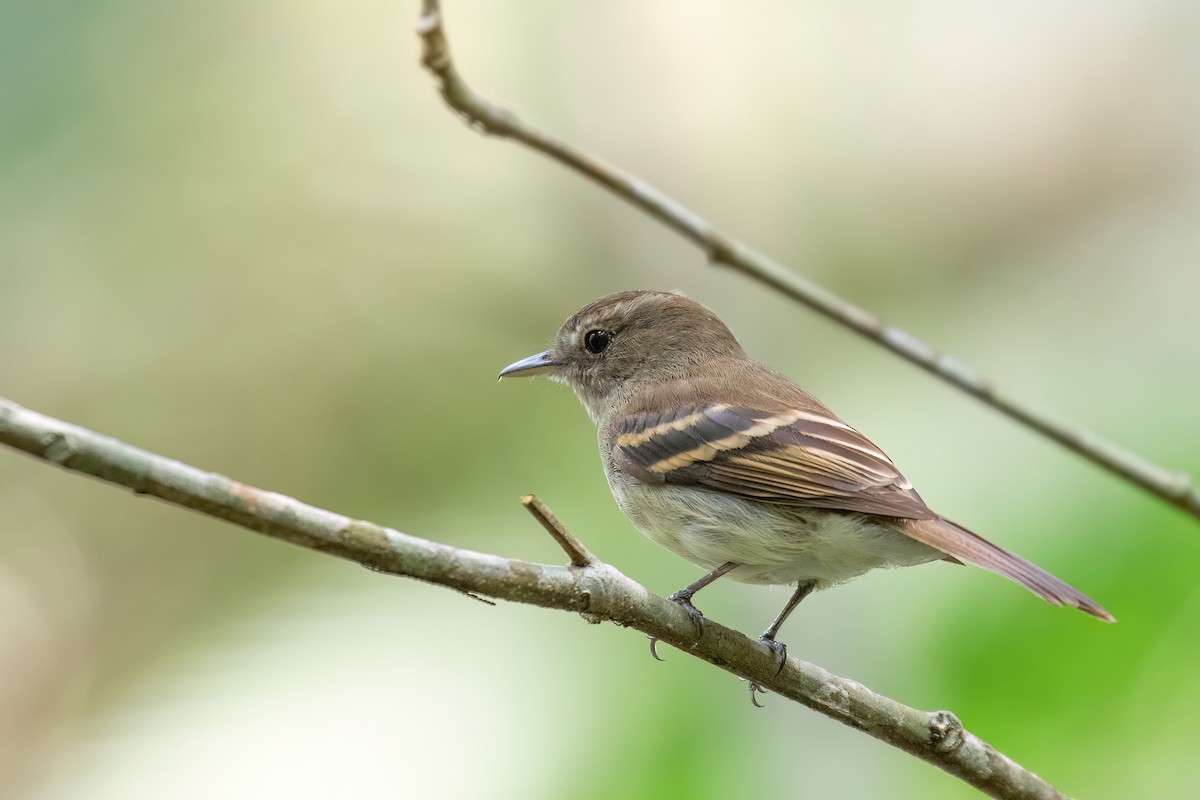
(732, 466)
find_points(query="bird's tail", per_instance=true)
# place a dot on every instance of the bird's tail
(957, 541)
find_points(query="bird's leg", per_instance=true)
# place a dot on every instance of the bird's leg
(684, 598)
(803, 590)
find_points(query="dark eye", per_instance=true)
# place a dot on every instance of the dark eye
(596, 341)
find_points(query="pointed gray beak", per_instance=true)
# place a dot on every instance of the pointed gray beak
(534, 365)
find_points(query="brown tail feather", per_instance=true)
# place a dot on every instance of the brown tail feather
(957, 541)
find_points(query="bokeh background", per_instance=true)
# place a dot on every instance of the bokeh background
(250, 237)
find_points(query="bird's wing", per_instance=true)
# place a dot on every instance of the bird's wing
(793, 456)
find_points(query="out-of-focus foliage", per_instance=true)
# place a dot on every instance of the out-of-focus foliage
(248, 236)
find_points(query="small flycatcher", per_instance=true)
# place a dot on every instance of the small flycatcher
(727, 463)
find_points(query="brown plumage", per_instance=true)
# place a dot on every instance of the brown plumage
(731, 465)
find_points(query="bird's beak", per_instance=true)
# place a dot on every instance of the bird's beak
(534, 365)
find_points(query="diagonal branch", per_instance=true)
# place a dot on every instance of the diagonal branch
(575, 549)
(490, 118)
(595, 590)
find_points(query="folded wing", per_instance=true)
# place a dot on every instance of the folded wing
(791, 456)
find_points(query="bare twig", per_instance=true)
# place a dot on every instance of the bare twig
(575, 550)
(595, 590)
(490, 118)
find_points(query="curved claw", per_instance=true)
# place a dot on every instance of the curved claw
(683, 599)
(779, 648)
(654, 647)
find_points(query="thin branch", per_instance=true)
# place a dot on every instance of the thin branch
(597, 591)
(490, 118)
(575, 549)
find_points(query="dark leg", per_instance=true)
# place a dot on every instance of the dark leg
(803, 590)
(684, 598)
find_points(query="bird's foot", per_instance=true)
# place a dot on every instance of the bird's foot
(683, 598)
(780, 649)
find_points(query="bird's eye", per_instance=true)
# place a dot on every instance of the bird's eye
(596, 341)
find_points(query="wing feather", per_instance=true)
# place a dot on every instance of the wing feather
(789, 456)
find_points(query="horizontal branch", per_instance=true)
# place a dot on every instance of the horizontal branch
(494, 119)
(595, 590)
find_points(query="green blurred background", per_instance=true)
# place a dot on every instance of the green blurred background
(250, 237)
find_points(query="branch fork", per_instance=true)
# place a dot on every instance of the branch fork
(575, 550)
